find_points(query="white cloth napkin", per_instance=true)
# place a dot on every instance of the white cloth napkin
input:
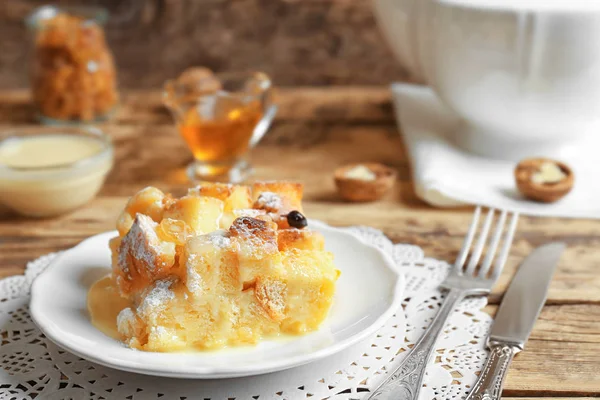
(446, 176)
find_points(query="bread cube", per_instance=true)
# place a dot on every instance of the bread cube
(143, 257)
(202, 214)
(301, 296)
(302, 239)
(253, 322)
(151, 326)
(255, 242)
(149, 201)
(211, 265)
(234, 196)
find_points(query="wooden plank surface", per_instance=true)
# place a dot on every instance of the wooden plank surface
(317, 130)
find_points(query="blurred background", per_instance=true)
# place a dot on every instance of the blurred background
(296, 42)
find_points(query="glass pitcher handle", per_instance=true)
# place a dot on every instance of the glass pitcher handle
(263, 126)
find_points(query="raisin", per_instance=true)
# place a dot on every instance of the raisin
(296, 219)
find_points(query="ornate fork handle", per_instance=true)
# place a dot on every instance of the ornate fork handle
(489, 383)
(404, 383)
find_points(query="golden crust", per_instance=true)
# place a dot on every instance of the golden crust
(289, 192)
(219, 190)
(253, 229)
(278, 199)
(302, 239)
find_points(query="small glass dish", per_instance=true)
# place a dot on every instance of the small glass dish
(52, 170)
(220, 117)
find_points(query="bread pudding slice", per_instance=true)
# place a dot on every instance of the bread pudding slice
(218, 267)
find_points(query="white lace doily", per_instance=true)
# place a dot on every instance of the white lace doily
(33, 367)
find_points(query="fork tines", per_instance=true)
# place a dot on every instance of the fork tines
(474, 267)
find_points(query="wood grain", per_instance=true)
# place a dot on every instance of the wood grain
(313, 42)
(316, 131)
(563, 348)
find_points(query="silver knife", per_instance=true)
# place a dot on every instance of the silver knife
(515, 318)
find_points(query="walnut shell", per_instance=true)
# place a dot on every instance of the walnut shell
(359, 190)
(545, 192)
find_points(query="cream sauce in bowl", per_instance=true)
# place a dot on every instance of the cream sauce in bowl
(52, 171)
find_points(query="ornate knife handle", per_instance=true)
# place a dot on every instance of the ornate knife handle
(406, 381)
(489, 384)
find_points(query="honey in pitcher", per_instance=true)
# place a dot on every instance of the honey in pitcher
(219, 128)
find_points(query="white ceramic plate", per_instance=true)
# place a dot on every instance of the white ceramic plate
(368, 292)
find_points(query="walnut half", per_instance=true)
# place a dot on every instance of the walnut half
(543, 179)
(364, 182)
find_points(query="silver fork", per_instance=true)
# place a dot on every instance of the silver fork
(463, 280)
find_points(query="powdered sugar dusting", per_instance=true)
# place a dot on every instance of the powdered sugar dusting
(141, 243)
(157, 298)
(193, 278)
(269, 201)
(254, 237)
(197, 248)
(126, 322)
(162, 333)
(219, 238)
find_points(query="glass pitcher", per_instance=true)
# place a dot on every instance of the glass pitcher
(220, 117)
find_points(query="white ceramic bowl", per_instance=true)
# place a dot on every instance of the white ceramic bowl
(523, 74)
(368, 292)
(525, 79)
(403, 25)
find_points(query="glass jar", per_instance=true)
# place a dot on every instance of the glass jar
(73, 75)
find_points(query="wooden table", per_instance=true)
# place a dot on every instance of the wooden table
(316, 130)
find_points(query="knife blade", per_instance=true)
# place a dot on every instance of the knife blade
(516, 316)
(526, 295)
